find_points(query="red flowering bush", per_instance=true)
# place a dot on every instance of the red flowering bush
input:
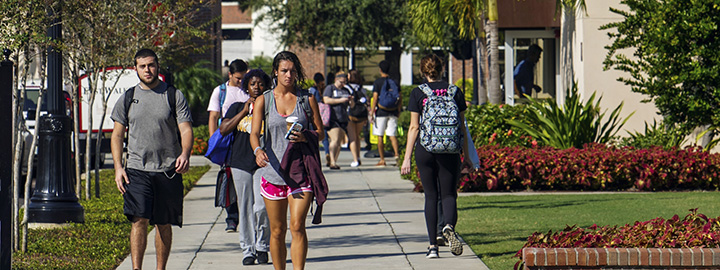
(594, 167)
(199, 147)
(694, 231)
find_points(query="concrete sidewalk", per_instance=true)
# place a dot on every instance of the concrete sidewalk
(372, 220)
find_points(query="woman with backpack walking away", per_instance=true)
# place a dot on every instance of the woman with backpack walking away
(437, 115)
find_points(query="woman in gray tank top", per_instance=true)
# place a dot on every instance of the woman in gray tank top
(277, 195)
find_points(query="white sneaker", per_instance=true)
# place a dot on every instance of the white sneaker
(354, 164)
(432, 253)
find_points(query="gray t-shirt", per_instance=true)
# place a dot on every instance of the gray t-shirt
(276, 144)
(153, 144)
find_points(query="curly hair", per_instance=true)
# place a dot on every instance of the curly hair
(255, 73)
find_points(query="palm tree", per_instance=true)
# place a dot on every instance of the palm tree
(438, 22)
(569, 11)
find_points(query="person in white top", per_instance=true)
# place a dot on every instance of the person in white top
(217, 108)
(233, 93)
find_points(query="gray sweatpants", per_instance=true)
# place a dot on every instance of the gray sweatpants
(253, 226)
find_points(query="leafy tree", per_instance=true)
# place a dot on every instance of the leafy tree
(338, 23)
(261, 62)
(194, 83)
(23, 26)
(670, 51)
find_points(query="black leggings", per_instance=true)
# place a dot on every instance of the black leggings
(438, 171)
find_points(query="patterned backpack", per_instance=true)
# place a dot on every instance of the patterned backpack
(439, 124)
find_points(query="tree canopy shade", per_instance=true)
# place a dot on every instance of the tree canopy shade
(675, 57)
(342, 23)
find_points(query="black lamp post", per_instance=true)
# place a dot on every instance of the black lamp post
(6, 97)
(54, 199)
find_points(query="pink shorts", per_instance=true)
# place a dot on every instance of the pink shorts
(274, 192)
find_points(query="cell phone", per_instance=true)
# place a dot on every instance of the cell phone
(296, 127)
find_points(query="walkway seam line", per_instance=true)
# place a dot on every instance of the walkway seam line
(203, 241)
(377, 203)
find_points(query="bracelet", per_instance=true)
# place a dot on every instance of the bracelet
(255, 151)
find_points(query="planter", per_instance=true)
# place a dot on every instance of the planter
(621, 258)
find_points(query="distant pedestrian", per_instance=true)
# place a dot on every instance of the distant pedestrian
(151, 182)
(437, 169)
(221, 98)
(385, 118)
(254, 228)
(284, 185)
(524, 73)
(357, 113)
(317, 91)
(338, 97)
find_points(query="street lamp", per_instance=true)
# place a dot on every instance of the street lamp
(54, 200)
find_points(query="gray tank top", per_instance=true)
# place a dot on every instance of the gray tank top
(275, 142)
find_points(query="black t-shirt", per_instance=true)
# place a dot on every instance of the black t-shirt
(241, 156)
(417, 97)
(377, 87)
(339, 111)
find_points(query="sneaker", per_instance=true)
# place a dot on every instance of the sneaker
(380, 163)
(440, 240)
(451, 236)
(249, 260)
(432, 253)
(354, 164)
(231, 227)
(262, 257)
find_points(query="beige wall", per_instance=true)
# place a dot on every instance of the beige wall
(590, 53)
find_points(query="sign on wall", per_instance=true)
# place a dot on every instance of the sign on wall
(125, 78)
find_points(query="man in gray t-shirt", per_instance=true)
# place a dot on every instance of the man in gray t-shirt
(151, 183)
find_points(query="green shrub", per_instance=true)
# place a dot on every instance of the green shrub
(261, 62)
(467, 86)
(102, 242)
(572, 125)
(488, 125)
(201, 132)
(658, 134)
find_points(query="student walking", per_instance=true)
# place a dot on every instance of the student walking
(317, 91)
(385, 110)
(151, 182)
(338, 97)
(221, 98)
(437, 153)
(283, 184)
(357, 114)
(254, 230)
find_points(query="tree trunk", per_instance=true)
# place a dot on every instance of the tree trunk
(480, 71)
(566, 50)
(494, 91)
(92, 83)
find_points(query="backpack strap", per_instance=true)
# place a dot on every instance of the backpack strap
(223, 94)
(452, 90)
(269, 101)
(129, 95)
(171, 93)
(426, 90)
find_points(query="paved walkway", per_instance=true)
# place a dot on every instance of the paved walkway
(372, 220)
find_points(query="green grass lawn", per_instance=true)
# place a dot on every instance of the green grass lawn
(99, 243)
(496, 227)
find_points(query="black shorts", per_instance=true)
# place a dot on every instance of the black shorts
(154, 196)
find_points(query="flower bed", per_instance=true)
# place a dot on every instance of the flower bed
(595, 167)
(685, 235)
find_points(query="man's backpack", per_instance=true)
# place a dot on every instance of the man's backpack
(389, 97)
(439, 125)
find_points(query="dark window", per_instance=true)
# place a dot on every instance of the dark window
(236, 34)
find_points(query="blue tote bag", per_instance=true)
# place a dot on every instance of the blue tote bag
(219, 147)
